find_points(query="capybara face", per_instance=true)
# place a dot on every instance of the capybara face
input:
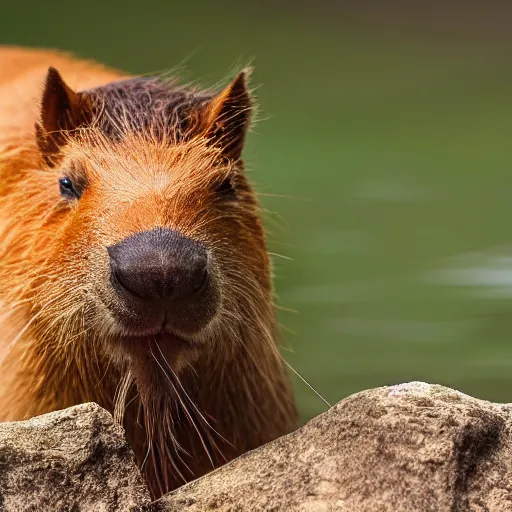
(158, 237)
(159, 230)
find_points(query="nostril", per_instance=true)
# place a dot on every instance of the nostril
(120, 280)
(114, 274)
(116, 277)
(197, 269)
(201, 282)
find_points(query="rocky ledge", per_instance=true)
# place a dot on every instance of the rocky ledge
(70, 460)
(413, 447)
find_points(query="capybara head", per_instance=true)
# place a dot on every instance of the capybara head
(154, 236)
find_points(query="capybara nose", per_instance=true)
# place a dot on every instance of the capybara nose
(158, 265)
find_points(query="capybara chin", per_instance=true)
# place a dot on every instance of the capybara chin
(133, 264)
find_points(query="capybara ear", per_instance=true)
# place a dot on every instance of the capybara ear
(62, 110)
(227, 116)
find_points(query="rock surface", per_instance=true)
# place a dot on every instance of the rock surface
(70, 460)
(413, 447)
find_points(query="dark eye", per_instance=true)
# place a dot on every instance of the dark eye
(67, 189)
(226, 189)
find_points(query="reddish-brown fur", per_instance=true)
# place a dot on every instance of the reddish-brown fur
(187, 406)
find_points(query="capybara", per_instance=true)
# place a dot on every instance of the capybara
(134, 269)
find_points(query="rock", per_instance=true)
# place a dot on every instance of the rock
(70, 460)
(413, 447)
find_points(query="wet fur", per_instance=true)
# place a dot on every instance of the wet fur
(187, 408)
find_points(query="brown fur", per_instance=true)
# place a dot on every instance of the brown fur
(150, 154)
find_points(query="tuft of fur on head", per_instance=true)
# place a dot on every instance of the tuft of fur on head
(145, 155)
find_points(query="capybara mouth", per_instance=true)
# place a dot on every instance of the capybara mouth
(161, 332)
(163, 348)
(160, 339)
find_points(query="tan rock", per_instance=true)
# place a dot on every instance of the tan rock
(412, 448)
(71, 460)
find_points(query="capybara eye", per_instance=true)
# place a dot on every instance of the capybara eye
(226, 189)
(67, 189)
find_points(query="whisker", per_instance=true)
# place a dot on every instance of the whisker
(307, 383)
(187, 413)
(201, 416)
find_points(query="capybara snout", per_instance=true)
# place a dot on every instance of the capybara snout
(159, 265)
(164, 274)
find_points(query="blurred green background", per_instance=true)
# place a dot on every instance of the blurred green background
(383, 157)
